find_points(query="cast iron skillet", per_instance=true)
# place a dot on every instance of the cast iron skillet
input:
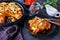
(52, 29)
(17, 21)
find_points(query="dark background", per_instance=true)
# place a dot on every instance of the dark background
(53, 36)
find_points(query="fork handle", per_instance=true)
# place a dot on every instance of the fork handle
(54, 21)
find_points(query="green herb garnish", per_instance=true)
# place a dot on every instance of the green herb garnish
(43, 23)
(52, 3)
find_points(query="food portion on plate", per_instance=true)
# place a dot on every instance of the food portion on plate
(10, 11)
(38, 25)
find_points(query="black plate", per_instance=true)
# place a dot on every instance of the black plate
(53, 27)
(17, 21)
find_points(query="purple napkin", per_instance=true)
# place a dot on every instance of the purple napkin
(9, 32)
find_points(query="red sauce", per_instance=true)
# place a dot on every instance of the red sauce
(29, 2)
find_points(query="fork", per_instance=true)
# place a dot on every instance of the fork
(54, 21)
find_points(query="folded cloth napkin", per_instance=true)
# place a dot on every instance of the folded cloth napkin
(8, 33)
